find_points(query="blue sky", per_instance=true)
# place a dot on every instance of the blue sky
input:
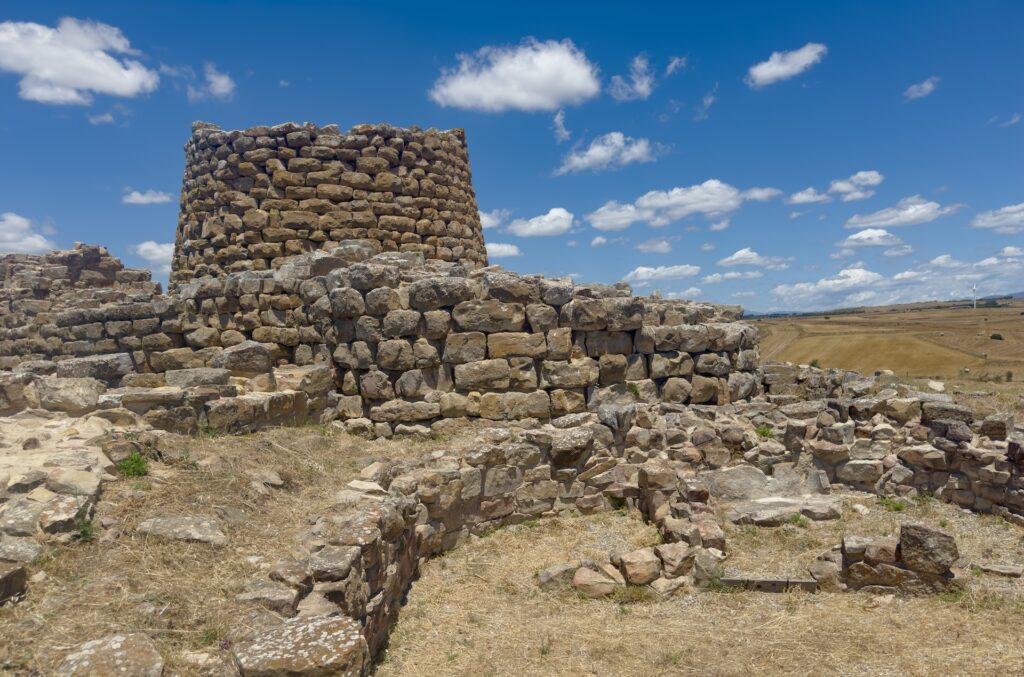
(803, 156)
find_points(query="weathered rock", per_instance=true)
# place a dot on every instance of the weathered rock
(13, 580)
(184, 528)
(277, 597)
(305, 647)
(927, 550)
(556, 576)
(132, 655)
(245, 359)
(640, 567)
(592, 584)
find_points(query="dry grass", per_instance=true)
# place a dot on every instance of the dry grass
(477, 611)
(183, 594)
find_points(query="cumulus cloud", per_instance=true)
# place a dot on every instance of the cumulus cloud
(761, 194)
(715, 278)
(598, 241)
(157, 254)
(921, 89)
(73, 62)
(640, 83)
(19, 237)
(707, 246)
(676, 63)
(1011, 251)
(688, 293)
(901, 250)
(807, 196)
(501, 250)
(1007, 220)
(493, 218)
(650, 274)
(784, 65)
(719, 225)
(101, 119)
(658, 245)
(216, 85)
(557, 221)
(531, 76)
(561, 133)
(910, 211)
(749, 257)
(149, 197)
(610, 151)
(858, 186)
(871, 237)
(713, 198)
(942, 278)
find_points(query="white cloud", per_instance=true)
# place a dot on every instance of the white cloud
(713, 198)
(946, 261)
(17, 236)
(283, 83)
(612, 150)
(676, 63)
(561, 133)
(157, 254)
(749, 257)
(807, 196)
(71, 63)
(901, 250)
(841, 286)
(715, 278)
(784, 65)
(499, 250)
(216, 85)
(910, 211)
(493, 218)
(101, 119)
(149, 197)
(689, 293)
(719, 225)
(556, 222)
(1011, 121)
(744, 294)
(1007, 220)
(707, 246)
(704, 109)
(640, 84)
(598, 241)
(921, 89)
(649, 274)
(857, 186)
(658, 245)
(761, 194)
(1011, 251)
(871, 237)
(531, 76)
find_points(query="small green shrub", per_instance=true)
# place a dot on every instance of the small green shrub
(996, 337)
(892, 504)
(633, 594)
(815, 364)
(634, 390)
(765, 431)
(85, 531)
(798, 520)
(135, 465)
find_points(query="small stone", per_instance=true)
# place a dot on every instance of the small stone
(74, 482)
(556, 576)
(13, 580)
(15, 549)
(592, 584)
(277, 597)
(927, 550)
(315, 645)
(1010, 570)
(640, 567)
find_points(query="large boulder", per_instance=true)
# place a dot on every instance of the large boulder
(247, 359)
(75, 396)
(927, 550)
(108, 368)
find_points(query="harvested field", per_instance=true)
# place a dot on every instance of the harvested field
(478, 611)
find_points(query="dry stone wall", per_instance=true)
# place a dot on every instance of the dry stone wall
(252, 198)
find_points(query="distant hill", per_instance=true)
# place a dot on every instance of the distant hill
(987, 301)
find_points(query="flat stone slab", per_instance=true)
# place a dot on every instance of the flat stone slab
(123, 655)
(23, 550)
(304, 647)
(1010, 570)
(774, 511)
(181, 528)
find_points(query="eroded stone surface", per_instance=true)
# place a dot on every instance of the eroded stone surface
(306, 647)
(132, 655)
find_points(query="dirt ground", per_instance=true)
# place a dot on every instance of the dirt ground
(477, 611)
(183, 594)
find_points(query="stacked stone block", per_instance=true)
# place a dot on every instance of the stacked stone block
(252, 198)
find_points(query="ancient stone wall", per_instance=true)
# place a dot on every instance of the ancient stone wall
(252, 198)
(78, 303)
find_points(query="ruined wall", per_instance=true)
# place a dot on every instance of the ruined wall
(77, 303)
(252, 198)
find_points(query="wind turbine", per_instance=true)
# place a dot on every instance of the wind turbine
(975, 291)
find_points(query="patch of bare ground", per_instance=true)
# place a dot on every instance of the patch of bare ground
(183, 594)
(478, 611)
